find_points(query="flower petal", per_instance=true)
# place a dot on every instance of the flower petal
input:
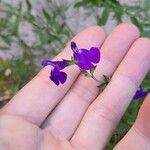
(74, 47)
(85, 66)
(54, 76)
(59, 64)
(83, 60)
(94, 54)
(140, 93)
(57, 76)
(46, 62)
(62, 77)
(82, 55)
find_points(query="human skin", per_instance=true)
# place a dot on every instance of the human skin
(75, 115)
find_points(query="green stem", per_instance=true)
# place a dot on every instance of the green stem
(95, 78)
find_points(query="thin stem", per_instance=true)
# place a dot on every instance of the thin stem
(70, 62)
(95, 78)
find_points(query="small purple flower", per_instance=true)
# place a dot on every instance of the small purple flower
(85, 58)
(56, 75)
(140, 93)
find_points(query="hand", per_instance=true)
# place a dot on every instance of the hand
(43, 116)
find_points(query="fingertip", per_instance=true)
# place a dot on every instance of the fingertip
(137, 57)
(145, 42)
(89, 37)
(97, 30)
(119, 42)
(129, 27)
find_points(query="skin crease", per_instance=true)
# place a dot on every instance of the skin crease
(82, 119)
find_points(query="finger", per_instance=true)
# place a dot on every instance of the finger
(104, 114)
(67, 115)
(37, 99)
(140, 132)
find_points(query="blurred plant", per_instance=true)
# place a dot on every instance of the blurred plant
(51, 33)
(15, 72)
(138, 12)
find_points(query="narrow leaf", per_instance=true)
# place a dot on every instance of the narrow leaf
(46, 15)
(92, 70)
(29, 6)
(87, 74)
(104, 17)
(136, 22)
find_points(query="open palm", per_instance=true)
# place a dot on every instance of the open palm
(76, 115)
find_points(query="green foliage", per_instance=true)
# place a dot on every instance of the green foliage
(22, 69)
(138, 13)
(112, 6)
(136, 22)
(49, 31)
(51, 34)
(104, 17)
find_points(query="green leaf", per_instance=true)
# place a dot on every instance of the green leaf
(85, 3)
(86, 73)
(136, 22)
(146, 33)
(6, 39)
(46, 15)
(29, 6)
(102, 86)
(28, 16)
(104, 17)
(146, 5)
(15, 25)
(82, 3)
(107, 79)
(115, 2)
(118, 11)
(92, 70)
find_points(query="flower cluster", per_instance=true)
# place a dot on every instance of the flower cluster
(83, 58)
(86, 60)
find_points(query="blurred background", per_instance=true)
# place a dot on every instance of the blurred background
(34, 30)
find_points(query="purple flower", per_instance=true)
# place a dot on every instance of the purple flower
(56, 75)
(84, 58)
(140, 93)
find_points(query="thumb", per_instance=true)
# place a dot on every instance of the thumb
(138, 137)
